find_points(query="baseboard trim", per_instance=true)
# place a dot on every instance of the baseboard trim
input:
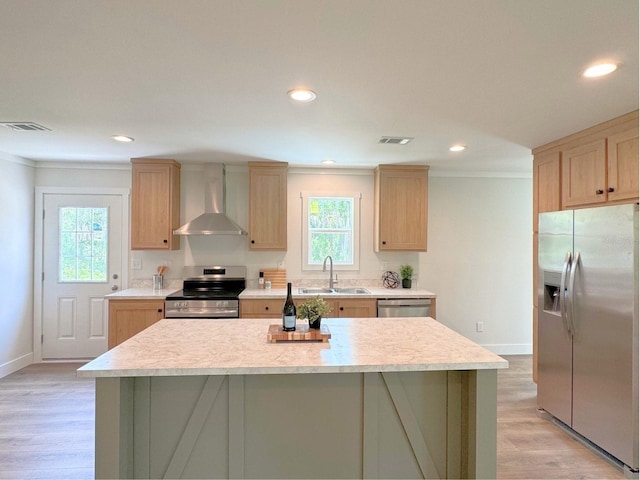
(510, 349)
(16, 364)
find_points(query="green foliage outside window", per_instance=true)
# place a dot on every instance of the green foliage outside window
(83, 244)
(330, 227)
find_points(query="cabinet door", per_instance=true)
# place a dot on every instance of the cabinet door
(357, 308)
(622, 165)
(267, 308)
(400, 220)
(267, 207)
(584, 171)
(155, 205)
(546, 185)
(128, 317)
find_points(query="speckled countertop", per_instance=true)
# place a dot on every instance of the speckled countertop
(148, 293)
(231, 347)
(255, 293)
(142, 293)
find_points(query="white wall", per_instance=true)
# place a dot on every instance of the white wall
(479, 259)
(16, 258)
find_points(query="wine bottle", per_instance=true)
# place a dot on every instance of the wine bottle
(289, 312)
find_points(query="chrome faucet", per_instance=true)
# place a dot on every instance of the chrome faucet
(324, 269)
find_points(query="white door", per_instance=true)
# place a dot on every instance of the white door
(82, 249)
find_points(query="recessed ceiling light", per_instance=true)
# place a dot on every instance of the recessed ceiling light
(122, 138)
(457, 148)
(328, 161)
(600, 70)
(302, 94)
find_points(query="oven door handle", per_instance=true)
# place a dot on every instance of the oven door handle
(201, 313)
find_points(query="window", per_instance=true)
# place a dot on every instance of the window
(331, 226)
(83, 244)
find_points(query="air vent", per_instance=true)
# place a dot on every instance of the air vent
(395, 140)
(25, 127)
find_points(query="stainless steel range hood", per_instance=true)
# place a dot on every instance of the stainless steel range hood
(213, 221)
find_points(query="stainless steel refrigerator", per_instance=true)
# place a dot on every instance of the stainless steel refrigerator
(588, 324)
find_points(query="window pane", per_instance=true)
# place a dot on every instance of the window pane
(338, 245)
(329, 212)
(83, 240)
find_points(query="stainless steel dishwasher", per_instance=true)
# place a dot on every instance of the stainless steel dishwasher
(404, 307)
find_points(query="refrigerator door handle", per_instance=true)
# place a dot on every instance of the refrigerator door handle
(563, 291)
(572, 292)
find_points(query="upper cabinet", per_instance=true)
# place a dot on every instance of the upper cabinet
(622, 165)
(155, 204)
(546, 184)
(400, 208)
(584, 174)
(598, 166)
(268, 205)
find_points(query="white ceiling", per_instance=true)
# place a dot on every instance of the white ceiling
(206, 80)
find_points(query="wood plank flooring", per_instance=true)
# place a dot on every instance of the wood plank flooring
(47, 432)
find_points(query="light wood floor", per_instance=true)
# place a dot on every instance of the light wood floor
(46, 429)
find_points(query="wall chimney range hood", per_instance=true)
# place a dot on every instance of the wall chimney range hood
(213, 221)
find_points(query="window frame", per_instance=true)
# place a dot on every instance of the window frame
(357, 199)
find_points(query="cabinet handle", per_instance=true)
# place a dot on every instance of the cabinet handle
(266, 308)
(165, 241)
(599, 191)
(384, 243)
(159, 310)
(341, 308)
(253, 241)
(611, 189)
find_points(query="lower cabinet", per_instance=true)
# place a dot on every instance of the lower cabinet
(128, 317)
(343, 307)
(353, 307)
(267, 308)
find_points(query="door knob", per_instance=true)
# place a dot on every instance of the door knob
(115, 276)
(114, 288)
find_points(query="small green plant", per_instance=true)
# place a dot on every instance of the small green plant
(313, 309)
(406, 272)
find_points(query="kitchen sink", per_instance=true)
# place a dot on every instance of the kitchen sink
(317, 291)
(355, 290)
(331, 291)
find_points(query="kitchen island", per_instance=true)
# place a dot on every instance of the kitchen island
(213, 399)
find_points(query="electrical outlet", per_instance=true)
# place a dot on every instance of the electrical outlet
(136, 264)
(479, 326)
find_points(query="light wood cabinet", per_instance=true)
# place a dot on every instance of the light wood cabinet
(267, 308)
(353, 307)
(128, 317)
(622, 166)
(155, 204)
(340, 307)
(400, 208)
(546, 184)
(268, 205)
(584, 174)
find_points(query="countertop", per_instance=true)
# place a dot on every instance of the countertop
(148, 293)
(185, 347)
(142, 293)
(255, 293)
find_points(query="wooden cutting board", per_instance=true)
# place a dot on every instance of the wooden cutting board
(302, 334)
(277, 277)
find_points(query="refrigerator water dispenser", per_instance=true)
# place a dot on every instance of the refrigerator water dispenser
(551, 293)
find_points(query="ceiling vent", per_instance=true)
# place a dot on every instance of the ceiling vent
(25, 127)
(395, 140)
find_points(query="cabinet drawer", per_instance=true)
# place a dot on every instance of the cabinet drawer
(268, 308)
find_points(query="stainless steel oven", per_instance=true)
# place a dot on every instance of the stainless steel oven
(208, 292)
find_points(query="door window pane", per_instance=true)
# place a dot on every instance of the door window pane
(83, 244)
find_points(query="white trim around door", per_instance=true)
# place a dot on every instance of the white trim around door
(38, 266)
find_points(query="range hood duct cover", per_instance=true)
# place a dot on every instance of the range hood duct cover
(213, 221)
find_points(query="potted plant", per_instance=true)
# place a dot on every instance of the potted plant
(313, 310)
(406, 272)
